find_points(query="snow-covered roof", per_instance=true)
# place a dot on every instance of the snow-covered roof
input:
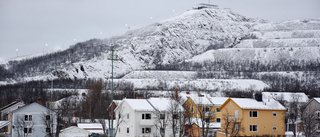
(317, 99)
(197, 98)
(139, 104)
(74, 128)
(218, 101)
(287, 96)
(198, 122)
(91, 127)
(248, 103)
(162, 104)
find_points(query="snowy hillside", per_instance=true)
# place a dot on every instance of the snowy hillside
(199, 45)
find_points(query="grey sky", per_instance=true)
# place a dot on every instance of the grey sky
(28, 25)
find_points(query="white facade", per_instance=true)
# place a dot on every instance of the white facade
(138, 118)
(74, 131)
(33, 120)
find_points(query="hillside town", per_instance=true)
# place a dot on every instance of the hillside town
(177, 114)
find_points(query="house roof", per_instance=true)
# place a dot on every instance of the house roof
(11, 104)
(162, 104)
(26, 106)
(287, 96)
(317, 99)
(139, 104)
(218, 101)
(198, 122)
(248, 103)
(91, 127)
(74, 127)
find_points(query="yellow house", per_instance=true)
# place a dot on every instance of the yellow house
(201, 106)
(248, 117)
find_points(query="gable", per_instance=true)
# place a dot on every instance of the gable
(32, 108)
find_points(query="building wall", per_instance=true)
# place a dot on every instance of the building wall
(197, 110)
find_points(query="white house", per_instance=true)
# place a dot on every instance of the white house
(5, 111)
(73, 131)
(33, 120)
(141, 117)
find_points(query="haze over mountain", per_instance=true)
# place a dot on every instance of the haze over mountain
(202, 49)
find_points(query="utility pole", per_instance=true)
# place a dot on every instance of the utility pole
(113, 58)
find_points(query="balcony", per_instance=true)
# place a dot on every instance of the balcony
(146, 122)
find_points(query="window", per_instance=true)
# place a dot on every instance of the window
(47, 117)
(191, 109)
(206, 109)
(274, 114)
(27, 117)
(253, 127)
(217, 109)
(207, 119)
(162, 116)
(146, 130)
(236, 113)
(128, 116)
(237, 127)
(218, 120)
(127, 130)
(253, 113)
(317, 114)
(27, 130)
(274, 128)
(47, 130)
(175, 116)
(146, 116)
(119, 130)
(162, 131)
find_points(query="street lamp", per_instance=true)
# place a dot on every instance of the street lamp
(17, 51)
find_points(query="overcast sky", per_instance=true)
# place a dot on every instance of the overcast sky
(28, 25)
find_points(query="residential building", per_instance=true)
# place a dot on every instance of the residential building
(148, 117)
(293, 103)
(249, 117)
(4, 115)
(311, 117)
(33, 120)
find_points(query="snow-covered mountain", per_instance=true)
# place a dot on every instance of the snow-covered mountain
(191, 44)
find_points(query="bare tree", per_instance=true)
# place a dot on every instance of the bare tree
(293, 113)
(176, 114)
(22, 127)
(189, 116)
(49, 120)
(309, 121)
(119, 120)
(161, 121)
(231, 124)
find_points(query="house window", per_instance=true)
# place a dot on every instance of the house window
(237, 127)
(236, 113)
(162, 131)
(207, 119)
(162, 116)
(274, 114)
(206, 109)
(191, 109)
(218, 120)
(217, 109)
(317, 114)
(253, 113)
(27, 130)
(47, 117)
(27, 117)
(127, 130)
(146, 116)
(274, 128)
(119, 130)
(175, 116)
(146, 130)
(253, 127)
(128, 116)
(47, 130)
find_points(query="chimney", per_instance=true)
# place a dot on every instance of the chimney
(39, 101)
(200, 95)
(258, 97)
(188, 92)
